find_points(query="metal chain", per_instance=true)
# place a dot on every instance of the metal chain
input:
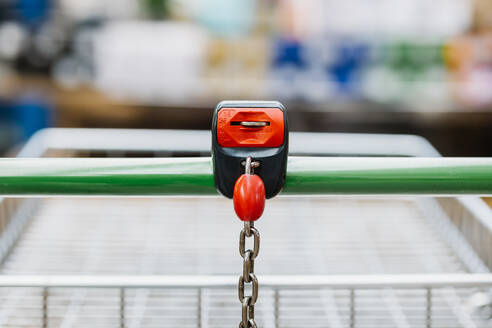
(248, 277)
(249, 256)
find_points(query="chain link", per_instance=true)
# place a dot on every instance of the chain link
(248, 231)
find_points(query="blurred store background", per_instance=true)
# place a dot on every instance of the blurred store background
(385, 66)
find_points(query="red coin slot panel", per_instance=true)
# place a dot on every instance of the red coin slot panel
(250, 127)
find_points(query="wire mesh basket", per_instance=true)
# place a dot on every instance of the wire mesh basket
(172, 261)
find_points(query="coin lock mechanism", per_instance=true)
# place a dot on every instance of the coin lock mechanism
(249, 152)
(256, 129)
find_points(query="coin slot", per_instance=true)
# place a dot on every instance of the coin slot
(251, 124)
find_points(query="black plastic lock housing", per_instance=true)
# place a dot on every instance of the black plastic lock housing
(227, 161)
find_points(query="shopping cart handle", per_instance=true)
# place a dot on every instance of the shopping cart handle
(193, 176)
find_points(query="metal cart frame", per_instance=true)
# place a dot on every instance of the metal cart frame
(470, 216)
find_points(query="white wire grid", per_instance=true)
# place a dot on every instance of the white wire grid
(198, 236)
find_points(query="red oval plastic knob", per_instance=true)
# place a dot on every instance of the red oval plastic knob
(249, 197)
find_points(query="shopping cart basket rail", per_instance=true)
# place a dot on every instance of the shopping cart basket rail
(193, 176)
(119, 266)
(379, 281)
(280, 293)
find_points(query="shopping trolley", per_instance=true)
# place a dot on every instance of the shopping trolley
(358, 261)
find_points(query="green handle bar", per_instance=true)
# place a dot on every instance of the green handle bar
(194, 176)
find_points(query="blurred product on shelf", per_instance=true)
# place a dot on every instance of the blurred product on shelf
(22, 117)
(236, 68)
(225, 18)
(150, 61)
(469, 60)
(31, 35)
(384, 18)
(77, 11)
(12, 38)
(482, 19)
(415, 72)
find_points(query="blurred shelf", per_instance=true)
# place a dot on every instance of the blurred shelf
(90, 99)
(458, 132)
